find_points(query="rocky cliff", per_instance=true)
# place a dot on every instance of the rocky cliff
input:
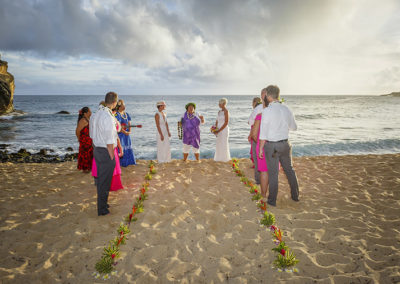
(6, 89)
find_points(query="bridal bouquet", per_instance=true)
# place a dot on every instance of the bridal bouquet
(214, 129)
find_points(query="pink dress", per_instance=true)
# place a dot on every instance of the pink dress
(261, 163)
(116, 183)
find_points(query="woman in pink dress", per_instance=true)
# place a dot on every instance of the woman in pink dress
(262, 163)
(116, 183)
(256, 101)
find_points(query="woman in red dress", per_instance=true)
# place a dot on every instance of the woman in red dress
(85, 155)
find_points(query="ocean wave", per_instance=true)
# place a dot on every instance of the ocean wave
(12, 115)
(384, 146)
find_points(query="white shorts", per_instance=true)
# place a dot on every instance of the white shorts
(186, 149)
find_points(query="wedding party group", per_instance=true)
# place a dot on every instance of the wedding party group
(105, 144)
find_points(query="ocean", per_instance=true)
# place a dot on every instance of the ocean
(327, 125)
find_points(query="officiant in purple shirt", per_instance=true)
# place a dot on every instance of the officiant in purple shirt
(191, 131)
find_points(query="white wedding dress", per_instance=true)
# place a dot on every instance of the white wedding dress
(222, 153)
(163, 147)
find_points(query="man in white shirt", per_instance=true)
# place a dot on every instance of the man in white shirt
(104, 136)
(258, 109)
(277, 119)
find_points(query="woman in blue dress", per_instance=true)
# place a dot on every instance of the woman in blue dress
(123, 117)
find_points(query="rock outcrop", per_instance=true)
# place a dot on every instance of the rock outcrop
(6, 89)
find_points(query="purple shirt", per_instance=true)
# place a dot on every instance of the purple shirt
(191, 129)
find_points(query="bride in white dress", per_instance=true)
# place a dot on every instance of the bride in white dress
(222, 153)
(163, 134)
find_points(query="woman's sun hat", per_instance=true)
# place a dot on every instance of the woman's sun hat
(160, 103)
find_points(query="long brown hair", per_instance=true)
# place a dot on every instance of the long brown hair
(82, 111)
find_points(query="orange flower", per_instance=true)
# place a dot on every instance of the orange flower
(133, 210)
(278, 235)
(143, 190)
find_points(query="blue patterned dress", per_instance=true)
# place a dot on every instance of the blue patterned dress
(128, 158)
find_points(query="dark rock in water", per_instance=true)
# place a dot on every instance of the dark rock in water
(6, 89)
(23, 152)
(69, 149)
(45, 151)
(71, 157)
(4, 146)
(23, 156)
(63, 112)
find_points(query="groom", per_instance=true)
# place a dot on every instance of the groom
(277, 119)
(104, 135)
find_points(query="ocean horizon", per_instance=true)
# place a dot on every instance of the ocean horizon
(327, 125)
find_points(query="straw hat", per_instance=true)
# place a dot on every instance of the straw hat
(160, 103)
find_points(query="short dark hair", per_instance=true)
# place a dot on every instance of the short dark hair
(190, 104)
(111, 98)
(273, 91)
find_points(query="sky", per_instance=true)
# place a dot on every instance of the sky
(229, 47)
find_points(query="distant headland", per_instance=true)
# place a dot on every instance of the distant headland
(392, 94)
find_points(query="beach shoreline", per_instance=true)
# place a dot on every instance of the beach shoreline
(200, 225)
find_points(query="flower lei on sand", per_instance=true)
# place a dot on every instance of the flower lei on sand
(105, 267)
(285, 260)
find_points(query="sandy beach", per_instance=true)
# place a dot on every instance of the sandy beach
(199, 224)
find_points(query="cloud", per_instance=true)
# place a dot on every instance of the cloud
(308, 46)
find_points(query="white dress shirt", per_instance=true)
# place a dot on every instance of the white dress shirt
(277, 119)
(258, 109)
(102, 128)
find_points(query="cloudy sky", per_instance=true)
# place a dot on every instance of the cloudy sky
(201, 46)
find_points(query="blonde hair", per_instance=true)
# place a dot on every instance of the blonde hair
(223, 101)
(257, 101)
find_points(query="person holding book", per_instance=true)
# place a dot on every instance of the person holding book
(222, 153)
